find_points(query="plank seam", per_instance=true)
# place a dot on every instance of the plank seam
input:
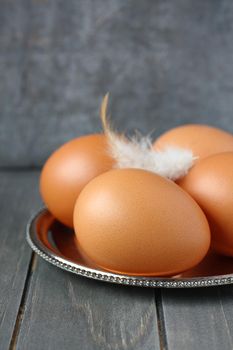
(160, 320)
(20, 314)
(225, 319)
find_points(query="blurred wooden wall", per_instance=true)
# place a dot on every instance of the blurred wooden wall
(164, 62)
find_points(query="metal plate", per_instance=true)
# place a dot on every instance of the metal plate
(56, 244)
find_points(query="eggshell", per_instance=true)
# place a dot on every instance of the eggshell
(210, 183)
(203, 140)
(135, 222)
(69, 169)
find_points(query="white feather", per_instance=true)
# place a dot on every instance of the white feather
(137, 152)
(172, 163)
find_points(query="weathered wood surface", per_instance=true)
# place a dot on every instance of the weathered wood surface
(64, 311)
(165, 62)
(44, 307)
(199, 318)
(18, 200)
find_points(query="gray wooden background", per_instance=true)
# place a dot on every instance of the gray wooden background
(164, 63)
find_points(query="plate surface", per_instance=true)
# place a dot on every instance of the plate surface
(56, 244)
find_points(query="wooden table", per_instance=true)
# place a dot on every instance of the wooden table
(42, 307)
(165, 62)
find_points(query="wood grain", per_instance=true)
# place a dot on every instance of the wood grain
(199, 318)
(60, 310)
(19, 199)
(64, 311)
(165, 63)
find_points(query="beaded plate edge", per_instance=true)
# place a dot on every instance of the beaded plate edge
(153, 282)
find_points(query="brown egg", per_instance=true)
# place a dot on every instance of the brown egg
(203, 140)
(136, 222)
(210, 183)
(69, 169)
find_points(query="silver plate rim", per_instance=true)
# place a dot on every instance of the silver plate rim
(140, 281)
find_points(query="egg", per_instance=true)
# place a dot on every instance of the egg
(135, 222)
(69, 169)
(203, 140)
(210, 183)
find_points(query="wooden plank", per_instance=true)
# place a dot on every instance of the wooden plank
(198, 318)
(64, 311)
(226, 296)
(19, 198)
